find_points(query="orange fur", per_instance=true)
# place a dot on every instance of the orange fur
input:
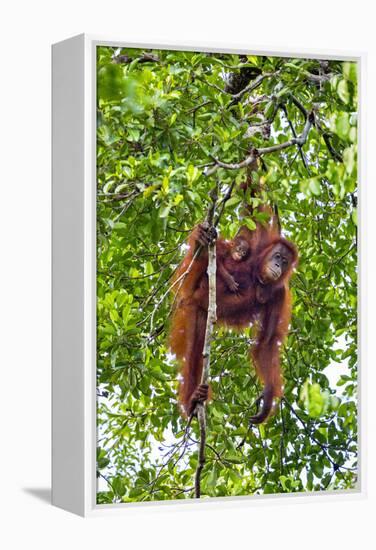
(268, 304)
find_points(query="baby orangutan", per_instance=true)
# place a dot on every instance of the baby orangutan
(231, 257)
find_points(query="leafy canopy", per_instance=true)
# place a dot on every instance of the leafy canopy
(163, 116)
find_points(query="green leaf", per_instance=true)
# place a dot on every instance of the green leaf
(342, 125)
(314, 186)
(249, 223)
(350, 71)
(164, 212)
(269, 109)
(343, 90)
(234, 201)
(212, 478)
(350, 159)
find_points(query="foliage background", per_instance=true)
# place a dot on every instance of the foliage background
(162, 116)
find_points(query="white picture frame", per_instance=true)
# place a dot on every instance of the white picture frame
(74, 275)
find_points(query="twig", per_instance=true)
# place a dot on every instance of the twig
(326, 135)
(180, 280)
(335, 155)
(318, 79)
(174, 449)
(300, 148)
(307, 430)
(252, 86)
(300, 141)
(145, 57)
(223, 203)
(300, 106)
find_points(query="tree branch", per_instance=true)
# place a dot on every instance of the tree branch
(299, 140)
(210, 322)
(252, 86)
(302, 155)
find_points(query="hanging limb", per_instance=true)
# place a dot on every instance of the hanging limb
(214, 224)
(180, 280)
(210, 322)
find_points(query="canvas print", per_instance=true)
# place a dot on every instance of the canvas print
(226, 275)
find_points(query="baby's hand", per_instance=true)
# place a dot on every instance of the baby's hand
(232, 284)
